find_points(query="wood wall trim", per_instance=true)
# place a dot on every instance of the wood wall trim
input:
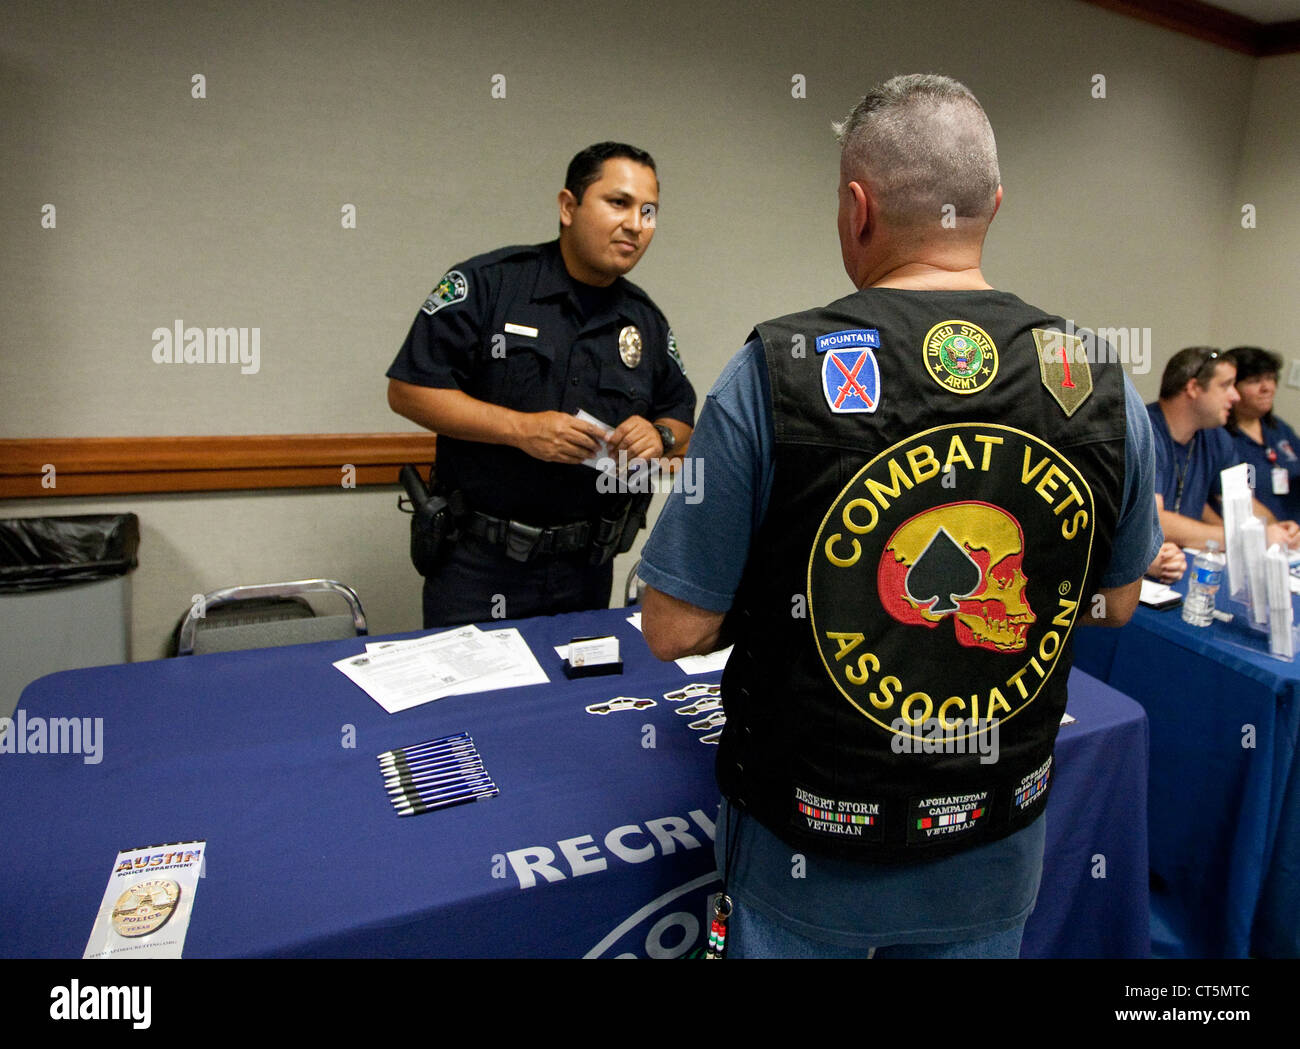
(117, 465)
(1212, 24)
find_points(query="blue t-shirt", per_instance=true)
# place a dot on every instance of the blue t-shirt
(1187, 475)
(697, 553)
(1281, 451)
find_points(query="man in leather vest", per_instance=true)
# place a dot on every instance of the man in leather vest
(916, 494)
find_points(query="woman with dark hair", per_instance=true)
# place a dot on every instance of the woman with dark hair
(1264, 441)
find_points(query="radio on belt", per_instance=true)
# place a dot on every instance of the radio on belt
(592, 656)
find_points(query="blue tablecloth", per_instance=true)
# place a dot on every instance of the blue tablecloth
(598, 844)
(1224, 814)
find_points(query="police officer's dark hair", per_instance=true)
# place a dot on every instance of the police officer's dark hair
(1195, 362)
(925, 142)
(1252, 362)
(584, 168)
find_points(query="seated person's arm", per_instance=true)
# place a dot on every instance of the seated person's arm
(1169, 565)
(1116, 606)
(1187, 531)
(674, 628)
(550, 436)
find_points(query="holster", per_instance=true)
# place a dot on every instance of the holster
(615, 535)
(432, 524)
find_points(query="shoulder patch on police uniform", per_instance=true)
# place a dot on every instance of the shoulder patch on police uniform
(1063, 366)
(452, 288)
(850, 372)
(960, 356)
(673, 352)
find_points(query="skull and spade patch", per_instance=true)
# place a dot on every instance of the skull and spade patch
(948, 573)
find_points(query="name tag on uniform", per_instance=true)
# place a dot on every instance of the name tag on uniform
(521, 329)
(1281, 482)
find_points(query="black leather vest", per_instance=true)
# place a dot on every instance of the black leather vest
(948, 470)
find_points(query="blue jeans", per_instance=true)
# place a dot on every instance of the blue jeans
(752, 934)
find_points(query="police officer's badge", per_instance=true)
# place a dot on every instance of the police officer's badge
(629, 346)
(960, 356)
(452, 288)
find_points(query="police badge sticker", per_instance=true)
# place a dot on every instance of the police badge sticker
(960, 356)
(145, 907)
(452, 288)
(987, 584)
(629, 346)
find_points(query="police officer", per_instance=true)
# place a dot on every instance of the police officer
(505, 352)
(916, 491)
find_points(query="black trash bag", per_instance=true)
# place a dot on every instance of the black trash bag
(45, 553)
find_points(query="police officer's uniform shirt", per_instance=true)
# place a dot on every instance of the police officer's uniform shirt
(1279, 452)
(513, 328)
(697, 553)
(1187, 475)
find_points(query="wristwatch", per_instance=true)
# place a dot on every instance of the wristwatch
(668, 438)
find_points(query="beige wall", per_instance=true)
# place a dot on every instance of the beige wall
(1260, 282)
(226, 211)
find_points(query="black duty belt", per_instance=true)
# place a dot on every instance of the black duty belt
(524, 541)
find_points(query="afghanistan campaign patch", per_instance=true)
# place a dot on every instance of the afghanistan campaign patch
(950, 816)
(1063, 367)
(452, 288)
(960, 356)
(947, 574)
(850, 374)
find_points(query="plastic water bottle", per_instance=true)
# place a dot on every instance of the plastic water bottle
(1207, 574)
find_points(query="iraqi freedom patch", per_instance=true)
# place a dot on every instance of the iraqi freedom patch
(850, 373)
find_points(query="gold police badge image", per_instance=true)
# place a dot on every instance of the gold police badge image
(629, 346)
(947, 574)
(145, 907)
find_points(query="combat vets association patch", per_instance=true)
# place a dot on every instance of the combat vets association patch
(452, 288)
(1063, 366)
(673, 352)
(629, 346)
(960, 356)
(925, 606)
(850, 373)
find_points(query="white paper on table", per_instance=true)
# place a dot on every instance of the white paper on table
(635, 620)
(706, 664)
(1280, 639)
(410, 673)
(1238, 507)
(1154, 593)
(518, 666)
(145, 882)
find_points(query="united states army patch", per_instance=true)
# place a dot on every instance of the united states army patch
(452, 288)
(960, 356)
(1063, 366)
(947, 575)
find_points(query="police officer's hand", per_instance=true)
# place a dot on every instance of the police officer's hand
(638, 437)
(555, 437)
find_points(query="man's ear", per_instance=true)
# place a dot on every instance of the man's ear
(567, 202)
(997, 202)
(862, 211)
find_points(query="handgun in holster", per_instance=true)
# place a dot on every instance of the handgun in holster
(616, 534)
(432, 523)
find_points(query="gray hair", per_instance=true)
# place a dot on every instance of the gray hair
(923, 142)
